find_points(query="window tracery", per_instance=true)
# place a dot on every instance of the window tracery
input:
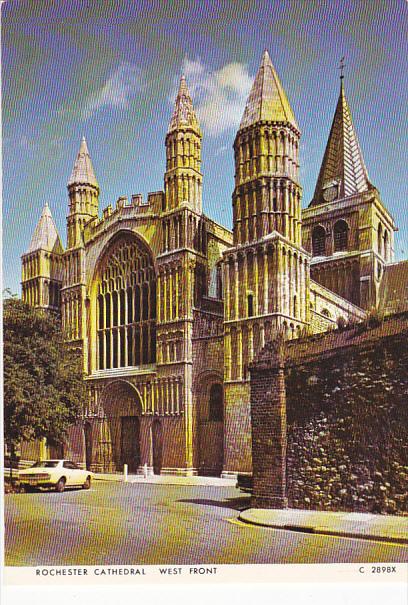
(126, 307)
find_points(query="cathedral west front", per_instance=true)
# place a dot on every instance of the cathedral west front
(169, 308)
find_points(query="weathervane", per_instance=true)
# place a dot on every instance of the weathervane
(341, 68)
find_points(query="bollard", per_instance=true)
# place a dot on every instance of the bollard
(145, 470)
(125, 472)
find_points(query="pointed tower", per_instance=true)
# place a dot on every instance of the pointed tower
(346, 227)
(42, 265)
(183, 179)
(266, 274)
(267, 192)
(343, 172)
(83, 190)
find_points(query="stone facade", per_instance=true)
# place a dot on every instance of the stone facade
(170, 308)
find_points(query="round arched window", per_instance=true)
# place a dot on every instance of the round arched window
(340, 236)
(319, 241)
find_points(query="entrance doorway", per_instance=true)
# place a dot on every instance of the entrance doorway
(157, 438)
(130, 442)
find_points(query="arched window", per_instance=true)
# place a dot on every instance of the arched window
(126, 314)
(326, 313)
(200, 286)
(219, 283)
(319, 241)
(216, 404)
(386, 246)
(250, 305)
(340, 236)
(379, 239)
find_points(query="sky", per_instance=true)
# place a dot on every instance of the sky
(109, 70)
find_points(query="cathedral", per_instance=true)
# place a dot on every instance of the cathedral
(169, 308)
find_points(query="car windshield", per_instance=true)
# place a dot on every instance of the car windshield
(45, 464)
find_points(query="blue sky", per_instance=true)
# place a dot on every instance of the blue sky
(109, 70)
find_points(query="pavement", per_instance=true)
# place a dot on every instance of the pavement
(367, 526)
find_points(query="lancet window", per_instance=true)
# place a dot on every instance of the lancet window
(126, 307)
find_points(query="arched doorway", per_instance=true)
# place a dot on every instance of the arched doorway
(122, 406)
(130, 442)
(157, 438)
(210, 416)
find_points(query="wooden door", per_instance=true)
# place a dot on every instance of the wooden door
(130, 442)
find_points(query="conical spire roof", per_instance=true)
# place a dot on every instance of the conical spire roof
(184, 115)
(83, 172)
(343, 164)
(267, 99)
(46, 236)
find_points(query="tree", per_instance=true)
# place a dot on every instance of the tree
(44, 391)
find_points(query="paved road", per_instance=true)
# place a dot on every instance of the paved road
(136, 524)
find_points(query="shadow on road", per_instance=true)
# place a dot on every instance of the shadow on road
(240, 503)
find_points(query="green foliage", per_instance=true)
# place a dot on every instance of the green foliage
(44, 392)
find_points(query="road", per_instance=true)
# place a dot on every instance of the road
(137, 524)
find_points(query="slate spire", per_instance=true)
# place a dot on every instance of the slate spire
(343, 165)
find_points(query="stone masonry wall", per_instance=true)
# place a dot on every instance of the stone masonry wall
(347, 418)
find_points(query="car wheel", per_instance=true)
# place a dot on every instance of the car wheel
(87, 483)
(60, 485)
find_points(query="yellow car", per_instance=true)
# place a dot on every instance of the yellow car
(58, 474)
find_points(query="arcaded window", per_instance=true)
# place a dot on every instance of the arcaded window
(216, 404)
(340, 236)
(319, 241)
(126, 307)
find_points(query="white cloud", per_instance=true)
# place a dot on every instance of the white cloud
(219, 97)
(123, 84)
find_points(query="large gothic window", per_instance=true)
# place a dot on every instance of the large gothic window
(319, 241)
(340, 236)
(126, 307)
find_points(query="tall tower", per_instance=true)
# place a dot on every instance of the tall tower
(181, 265)
(346, 226)
(42, 266)
(83, 191)
(183, 179)
(267, 192)
(266, 274)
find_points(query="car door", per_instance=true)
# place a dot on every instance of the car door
(68, 471)
(77, 474)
